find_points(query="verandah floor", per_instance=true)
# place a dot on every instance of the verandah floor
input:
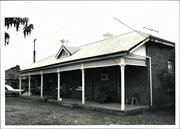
(92, 105)
(107, 107)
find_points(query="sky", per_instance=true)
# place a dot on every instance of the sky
(81, 22)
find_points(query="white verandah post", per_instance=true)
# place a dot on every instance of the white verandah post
(20, 85)
(41, 85)
(29, 87)
(150, 81)
(59, 87)
(83, 85)
(122, 68)
(122, 87)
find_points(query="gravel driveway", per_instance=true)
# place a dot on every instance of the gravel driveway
(21, 111)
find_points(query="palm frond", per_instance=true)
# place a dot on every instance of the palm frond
(28, 29)
(7, 37)
(16, 22)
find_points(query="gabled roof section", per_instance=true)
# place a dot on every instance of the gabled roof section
(161, 41)
(72, 50)
(154, 39)
(66, 51)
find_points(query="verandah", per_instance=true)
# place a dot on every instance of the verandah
(121, 91)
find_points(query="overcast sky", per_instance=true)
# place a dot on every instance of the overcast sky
(82, 23)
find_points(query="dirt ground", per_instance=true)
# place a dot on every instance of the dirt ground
(21, 111)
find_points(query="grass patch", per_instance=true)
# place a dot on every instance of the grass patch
(29, 112)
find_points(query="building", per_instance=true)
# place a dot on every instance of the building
(12, 76)
(110, 70)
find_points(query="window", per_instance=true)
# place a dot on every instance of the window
(170, 67)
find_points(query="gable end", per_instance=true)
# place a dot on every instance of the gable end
(63, 52)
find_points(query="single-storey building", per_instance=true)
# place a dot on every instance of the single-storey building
(110, 70)
(12, 76)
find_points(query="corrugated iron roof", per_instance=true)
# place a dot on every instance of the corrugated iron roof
(114, 44)
(123, 42)
(72, 50)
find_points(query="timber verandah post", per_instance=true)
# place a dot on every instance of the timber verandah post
(20, 85)
(59, 86)
(29, 87)
(41, 85)
(83, 84)
(122, 68)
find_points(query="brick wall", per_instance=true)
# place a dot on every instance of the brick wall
(12, 76)
(159, 56)
(137, 84)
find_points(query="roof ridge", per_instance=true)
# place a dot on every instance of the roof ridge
(107, 38)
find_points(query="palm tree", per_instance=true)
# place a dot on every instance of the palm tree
(16, 22)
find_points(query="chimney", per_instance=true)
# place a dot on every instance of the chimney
(107, 35)
(34, 52)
